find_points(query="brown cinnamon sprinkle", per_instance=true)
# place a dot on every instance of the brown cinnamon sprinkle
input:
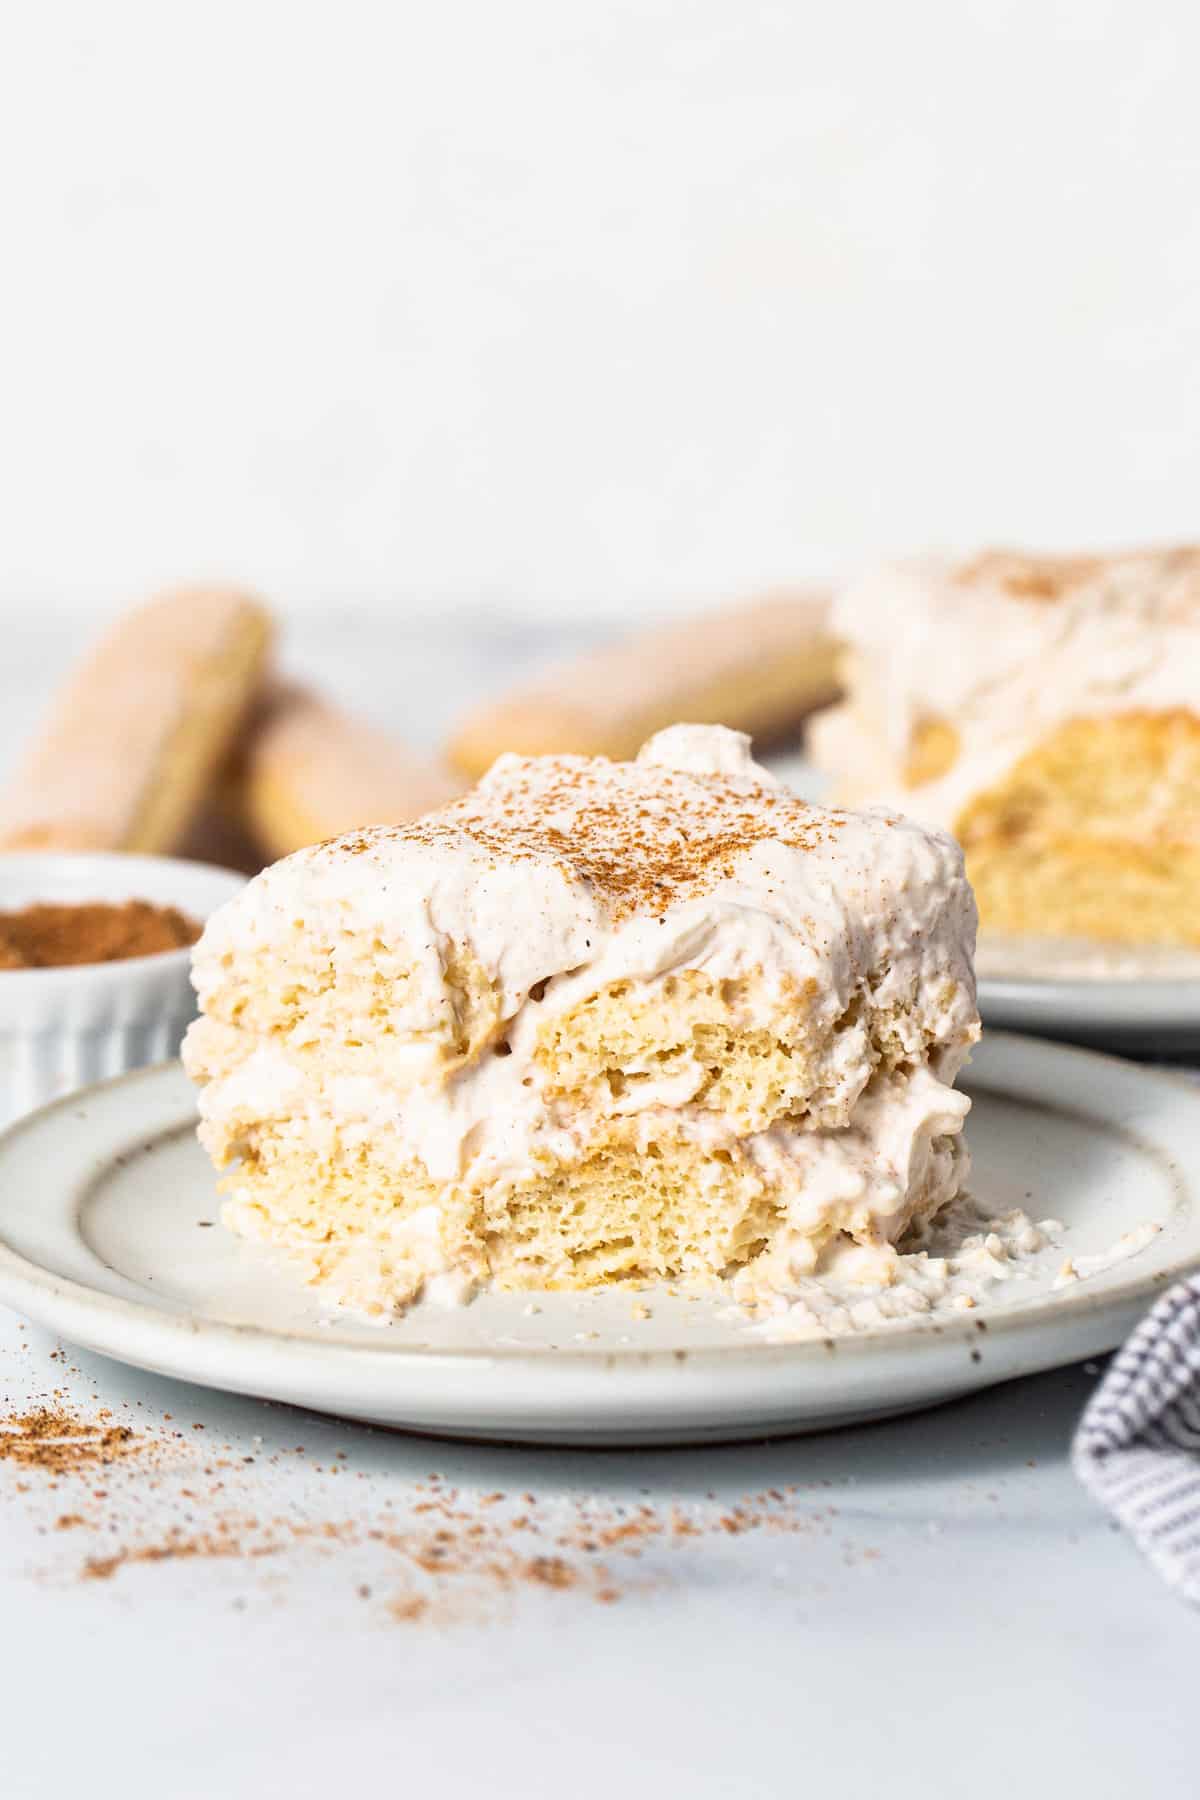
(51, 935)
(54, 1440)
(426, 1553)
(1048, 578)
(1028, 577)
(640, 835)
(452, 1561)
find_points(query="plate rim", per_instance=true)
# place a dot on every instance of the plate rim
(22, 1278)
(1101, 1012)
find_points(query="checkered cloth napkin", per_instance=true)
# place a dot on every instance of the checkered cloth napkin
(1137, 1449)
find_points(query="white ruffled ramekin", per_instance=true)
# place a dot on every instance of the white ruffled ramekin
(64, 1028)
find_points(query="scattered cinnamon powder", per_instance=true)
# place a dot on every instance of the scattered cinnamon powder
(408, 1607)
(52, 1439)
(428, 1553)
(642, 836)
(551, 1572)
(51, 935)
(222, 1540)
(454, 1558)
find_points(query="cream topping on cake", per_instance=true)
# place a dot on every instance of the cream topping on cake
(583, 872)
(1002, 649)
(556, 879)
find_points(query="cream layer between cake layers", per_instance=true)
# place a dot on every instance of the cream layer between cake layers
(593, 1022)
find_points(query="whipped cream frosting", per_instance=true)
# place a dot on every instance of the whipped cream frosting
(1004, 649)
(692, 855)
(559, 876)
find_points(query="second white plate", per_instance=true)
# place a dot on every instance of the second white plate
(108, 1234)
(1140, 1018)
(1143, 1000)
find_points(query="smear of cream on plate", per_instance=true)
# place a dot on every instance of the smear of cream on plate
(957, 1263)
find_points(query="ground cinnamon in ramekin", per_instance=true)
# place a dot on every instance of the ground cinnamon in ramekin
(53, 935)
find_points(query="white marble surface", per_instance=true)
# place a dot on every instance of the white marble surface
(931, 1606)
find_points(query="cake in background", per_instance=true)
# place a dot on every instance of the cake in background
(594, 1022)
(1046, 710)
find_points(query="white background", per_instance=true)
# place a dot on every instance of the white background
(596, 308)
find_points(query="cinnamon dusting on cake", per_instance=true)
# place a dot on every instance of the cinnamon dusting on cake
(641, 835)
(1026, 576)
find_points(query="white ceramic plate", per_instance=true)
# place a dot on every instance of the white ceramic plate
(1140, 1018)
(1145, 1001)
(107, 1235)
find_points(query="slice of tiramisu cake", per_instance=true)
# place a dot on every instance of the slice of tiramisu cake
(594, 1022)
(1046, 709)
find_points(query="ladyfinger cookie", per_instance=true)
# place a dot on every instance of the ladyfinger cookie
(308, 771)
(761, 667)
(141, 727)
